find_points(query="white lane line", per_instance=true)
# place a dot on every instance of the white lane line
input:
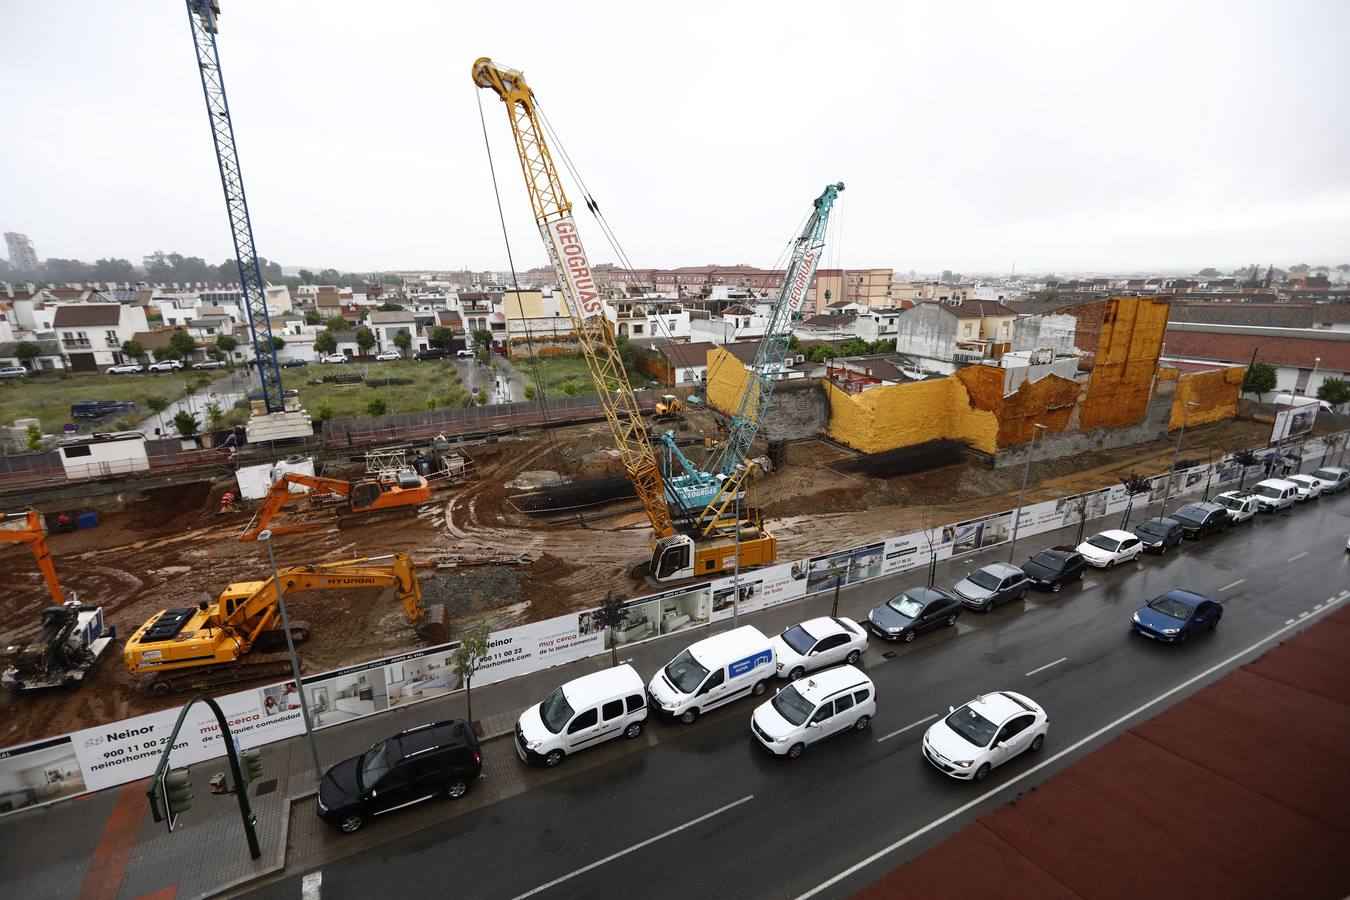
(651, 840)
(1046, 666)
(1233, 585)
(1297, 556)
(1290, 621)
(1318, 606)
(887, 737)
(310, 885)
(886, 851)
(1303, 615)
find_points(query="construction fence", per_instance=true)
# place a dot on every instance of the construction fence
(108, 755)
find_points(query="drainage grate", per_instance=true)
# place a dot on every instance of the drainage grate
(265, 787)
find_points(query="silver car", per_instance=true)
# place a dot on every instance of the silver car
(996, 583)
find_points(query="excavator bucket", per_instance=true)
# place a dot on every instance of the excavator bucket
(433, 625)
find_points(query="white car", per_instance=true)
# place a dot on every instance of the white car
(125, 369)
(165, 365)
(1106, 548)
(818, 644)
(464, 354)
(210, 364)
(984, 734)
(1309, 488)
(1241, 505)
(388, 355)
(813, 708)
(333, 358)
(12, 371)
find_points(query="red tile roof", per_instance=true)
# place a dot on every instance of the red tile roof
(1278, 351)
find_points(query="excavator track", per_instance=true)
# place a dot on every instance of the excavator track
(250, 668)
(274, 640)
(346, 519)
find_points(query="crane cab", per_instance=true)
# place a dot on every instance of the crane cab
(678, 556)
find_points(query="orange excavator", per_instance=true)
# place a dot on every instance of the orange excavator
(371, 498)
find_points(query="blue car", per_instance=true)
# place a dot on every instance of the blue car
(1174, 616)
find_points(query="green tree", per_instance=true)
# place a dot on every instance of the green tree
(226, 343)
(324, 412)
(820, 353)
(164, 351)
(27, 351)
(468, 657)
(441, 336)
(157, 405)
(1260, 379)
(795, 346)
(307, 277)
(335, 323)
(183, 343)
(278, 342)
(312, 317)
(403, 341)
(390, 306)
(633, 357)
(482, 344)
(215, 416)
(133, 350)
(854, 347)
(186, 423)
(113, 270)
(570, 388)
(325, 343)
(33, 439)
(365, 339)
(481, 398)
(1334, 391)
(529, 392)
(376, 407)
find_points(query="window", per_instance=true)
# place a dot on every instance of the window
(1015, 727)
(843, 703)
(585, 720)
(72, 452)
(831, 642)
(860, 696)
(714, 680)
(612, 710)
(635, 702)
(825, 711)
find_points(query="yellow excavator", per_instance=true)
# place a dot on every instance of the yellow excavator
(372, 498)
(239, 637)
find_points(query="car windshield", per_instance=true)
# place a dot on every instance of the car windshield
(1048, 560)
(1303, 480)
(1229, 502)
(685, 672)
(905, 605)
(555, 711)
(1189, 514)
(798, 639)
(972, 726)
(1326, 474)
(1102, 542)
(1152, 526)
(374, 763)
(792, 705)
(981, 578)
(1169, 607)
(1268, 490)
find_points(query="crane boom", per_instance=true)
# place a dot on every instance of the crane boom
(553, 214)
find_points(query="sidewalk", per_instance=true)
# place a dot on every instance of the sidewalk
(80, 848)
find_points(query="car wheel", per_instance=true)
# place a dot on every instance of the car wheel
(909, 635)
(1181, 637)
(456, 789)
(862, 723)
(982, 772)
(1082, 572)
(1023, 595)
(553, 759)
(1036, 744)
(1162, 549)
(633, 730)
(689, 715)
(351, 824)
(1110, 563)
(853, 657)
(796, 673)
(1056, 586)
(951, 620)
(795, 751)
(759, 688)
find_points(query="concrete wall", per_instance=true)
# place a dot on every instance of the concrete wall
(1053, 330)
(1216, 391)
(902, 415)
(798, 411)
(927, 331)
(1056, 444)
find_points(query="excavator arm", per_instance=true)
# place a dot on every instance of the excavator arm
(27, 527)
(280, 494)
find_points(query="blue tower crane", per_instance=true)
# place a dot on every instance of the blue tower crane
(202, 15)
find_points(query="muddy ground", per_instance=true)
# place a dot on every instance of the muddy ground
(174, 548)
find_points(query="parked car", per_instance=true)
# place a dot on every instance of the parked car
(1308, 487)
(712, 672)
(97, 409)
(388, 355)
(1106, 548)
(1334, 479)
(464, 354)
(985, 733)
(996, 583)
(1050, 569)
(12, 371)
(333, 358)
(165, 365)
(125, 369)
(1275, 494)
(1296, 400)
(431, 353)
(1174, 616)
(294, 363)
(441, 759)
(811, 709)
(210, 364)
(582, 713)
(917, 609)
(1159, 534)
(818, 644)
(1201, 519)
(1241, 506)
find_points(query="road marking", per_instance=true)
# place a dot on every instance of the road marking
(887, 737)
(1318, 606)
(651, 840)
(1303, 615)
(1046, 666)
(1297, 556)
(310, 885)
(1290, 621)
(1233, 585)
(891, 848)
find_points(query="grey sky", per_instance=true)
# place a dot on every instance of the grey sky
(970, 136)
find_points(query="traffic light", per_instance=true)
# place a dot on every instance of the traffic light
(250, 764)
(177, 794)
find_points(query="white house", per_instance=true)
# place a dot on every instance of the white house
(91, 334)
(387, 324)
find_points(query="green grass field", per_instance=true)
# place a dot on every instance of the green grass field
(566, 375)
(48, 397)
(435, 384)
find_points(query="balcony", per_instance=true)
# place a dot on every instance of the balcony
(76, 343)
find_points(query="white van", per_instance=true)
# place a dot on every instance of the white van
(713, 672)
(813, 708)
(1275, 494)
(582, 713)
(1296, 400)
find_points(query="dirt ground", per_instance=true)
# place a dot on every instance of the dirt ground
(174, 548)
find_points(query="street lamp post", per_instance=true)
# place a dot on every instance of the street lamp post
(266, 537)
(1021, 498)
(1167, 492)
(736, 567)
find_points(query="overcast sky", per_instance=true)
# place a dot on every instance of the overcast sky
(971, 136)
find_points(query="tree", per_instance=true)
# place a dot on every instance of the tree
(441, 336)
(633, 357)
(157, 405)
(324, 412)
(307, 277)
(132, 350)
(1260, 379)
(186, 423)
(1134, 485)
(215, 416)
(164, 351)
(390, 306)
(1334, 391)
(1245, 458)
(468, 657)
(312, 317)
(27, 351)
(795, 346)
(113, 270)
(482, 344)
(365, 339)
(226, 343)
(481, 398)
(183, 343)
(610, 615)
(403, 341)
(33, 439)
(376, 407)
(529, 392)
(821, 352)
(854, 347)
(325, 343)
(335, 323)
(278, 342)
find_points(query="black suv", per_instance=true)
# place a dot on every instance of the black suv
(431, 353)
(1200, 519)
(1049, 569)
(439, 759)
(1158, 535)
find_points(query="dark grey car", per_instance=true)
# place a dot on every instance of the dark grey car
(1158, 535)
(917, 609)
(996, 583)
